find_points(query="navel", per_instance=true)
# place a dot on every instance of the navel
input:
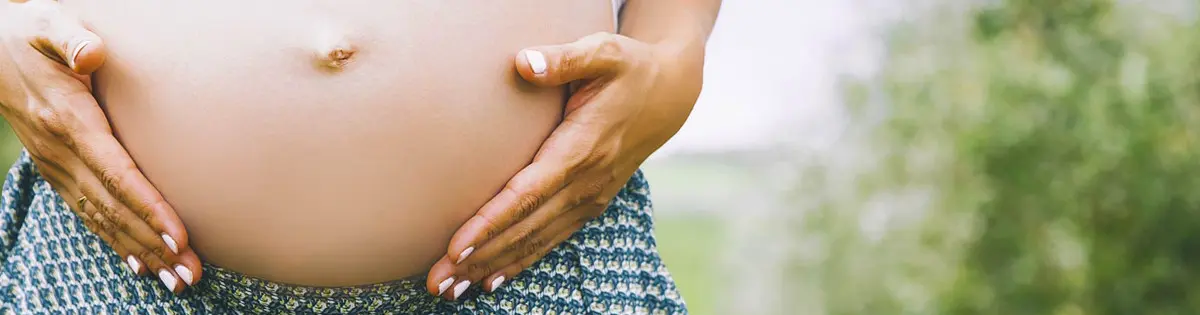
(333, 50)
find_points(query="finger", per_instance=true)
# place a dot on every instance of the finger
(83, 209)
(121, 178)
(590, 57)
(78, 122)
(496, 280)
(123, 220)
(87, 214)
(164, 272)
(132, 262)
(186, 265)
(523, 194)
(189, 267)
(523, 240)
(65, 39)
(440, 277)
(581, 194)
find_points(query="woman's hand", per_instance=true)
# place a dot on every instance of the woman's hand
(45, 58)
(631, 97)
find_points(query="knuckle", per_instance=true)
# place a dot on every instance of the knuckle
(544, 250)
(147, 257)
(599, 38)
(535, 247)
(156, 203)
(609, 44)
(107, 226)
(595, 154)
(145, 211)
(480, 269)
(590, 195)
(527, 203)
(52, 121)
(489, 227)
(596, 206)
(609, 49)
(43, 150)
(146, 216)
(41, 154)
(108, 211)
(121, 225)
(528, 198)
(87, 222)
(582, 156)
(158, 250)
(584, 219)
(521, 241)
(111, 175)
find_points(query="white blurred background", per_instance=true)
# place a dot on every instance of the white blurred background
(770, 97)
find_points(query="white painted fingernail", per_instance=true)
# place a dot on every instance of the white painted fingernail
(170, 243)
(75, 53)
(537, 61)
(497, 282)
(461, 287)
(463, 256)
(184, 274)
(134, 264)
(167, 279)
(445, 285)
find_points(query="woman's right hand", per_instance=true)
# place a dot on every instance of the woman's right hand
(45, 95)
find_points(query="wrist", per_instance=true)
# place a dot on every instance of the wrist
(684, 53)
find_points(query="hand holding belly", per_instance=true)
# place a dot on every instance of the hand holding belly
(45, 60)
(632, 98)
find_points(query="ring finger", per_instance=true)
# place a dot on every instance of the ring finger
(121, 219)
(89, 214)
(154, 264)
(496, 280)
(90, 220)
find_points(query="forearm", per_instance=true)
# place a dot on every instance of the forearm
(681, 25)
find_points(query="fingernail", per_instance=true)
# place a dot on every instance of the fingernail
(461, 287)
(463, 256)
(496, 283)
(537, 61)
(184, 274)
(167, 279)
(134, 264)
(445, 285)
(170, 243)
(75, 53)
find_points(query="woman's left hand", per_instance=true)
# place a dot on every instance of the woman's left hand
(630, 98)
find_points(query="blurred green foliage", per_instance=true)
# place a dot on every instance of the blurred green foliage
(1033, 157)
(10, 147)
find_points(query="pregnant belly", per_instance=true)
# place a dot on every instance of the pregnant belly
(322, 142)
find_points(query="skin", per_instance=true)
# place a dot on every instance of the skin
(191, 126)
(45, 95)
(634, 90)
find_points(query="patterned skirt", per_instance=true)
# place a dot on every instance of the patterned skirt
(51, 264)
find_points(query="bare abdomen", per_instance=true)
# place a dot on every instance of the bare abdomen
(324, 142)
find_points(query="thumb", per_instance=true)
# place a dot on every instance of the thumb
(86, 52)
(67, 39)
(590, 57)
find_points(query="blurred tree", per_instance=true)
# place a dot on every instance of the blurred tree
(1034, 157)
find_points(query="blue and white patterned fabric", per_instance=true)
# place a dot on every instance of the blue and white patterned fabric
(51, 264)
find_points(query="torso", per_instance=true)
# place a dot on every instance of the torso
(290, 168)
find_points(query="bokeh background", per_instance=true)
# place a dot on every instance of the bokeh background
(937, 157)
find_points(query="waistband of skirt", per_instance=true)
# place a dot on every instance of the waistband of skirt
(249, 294)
